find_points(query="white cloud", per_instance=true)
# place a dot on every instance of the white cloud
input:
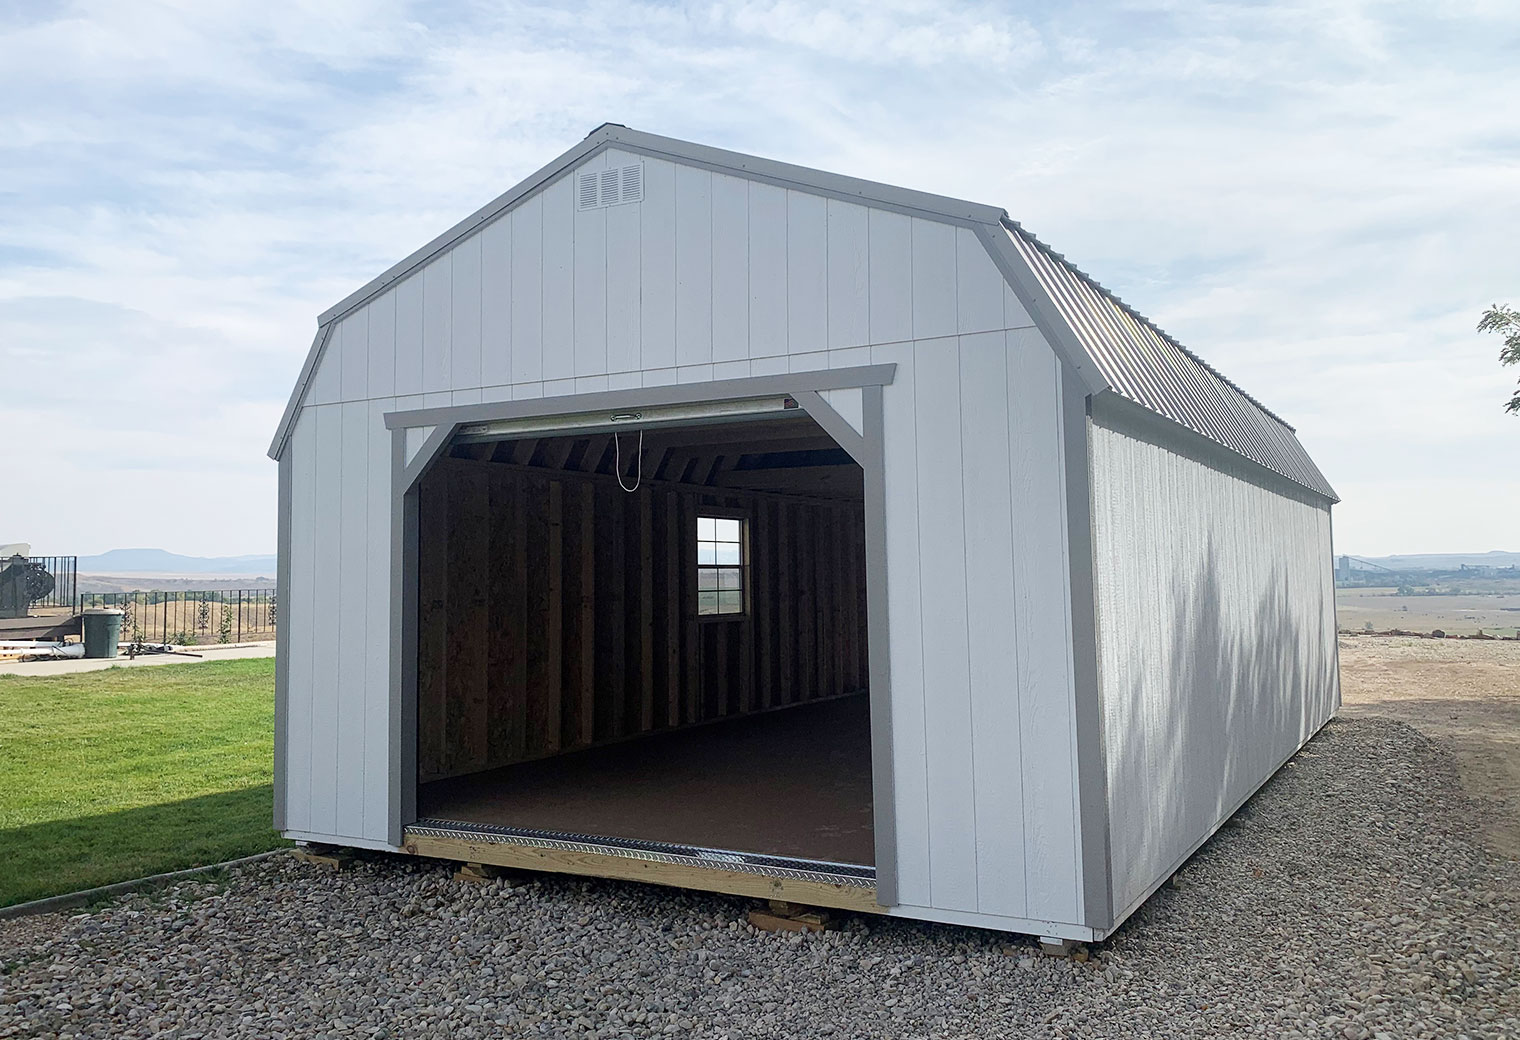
(1318, 197)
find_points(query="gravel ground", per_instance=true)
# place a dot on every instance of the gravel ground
(1351, 898)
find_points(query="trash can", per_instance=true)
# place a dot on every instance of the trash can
(102, 631)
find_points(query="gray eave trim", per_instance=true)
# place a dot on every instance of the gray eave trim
(1047, 316)
(649, 396)
(298, 395)
(1112, 410)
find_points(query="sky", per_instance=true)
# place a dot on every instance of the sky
(1319, 198)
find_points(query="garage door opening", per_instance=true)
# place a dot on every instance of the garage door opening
(678, 669)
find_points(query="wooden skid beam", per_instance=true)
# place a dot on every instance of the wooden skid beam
(624, 868)
(479, 873)
(330, 856)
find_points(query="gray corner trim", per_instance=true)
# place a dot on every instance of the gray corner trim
(878, 630)
(1335, 617)
(648, 396)
(1047, 317)
(298, 395)
(282, 646)
(833, 424)
(403, 693)
(1114, 411)
(1092, 751)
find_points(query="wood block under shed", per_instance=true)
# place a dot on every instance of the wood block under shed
(479, 873)
(332, 857)
(1068, 948)
(788, 917)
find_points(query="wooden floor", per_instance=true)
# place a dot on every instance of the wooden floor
(795, 782)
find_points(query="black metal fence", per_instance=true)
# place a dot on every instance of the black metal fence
(49, 581)
(190, 618)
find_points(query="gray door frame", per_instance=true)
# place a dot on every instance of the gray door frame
(864, 446)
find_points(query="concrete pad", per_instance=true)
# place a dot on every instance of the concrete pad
(214, 652)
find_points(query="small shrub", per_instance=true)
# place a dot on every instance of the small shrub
(224, 631)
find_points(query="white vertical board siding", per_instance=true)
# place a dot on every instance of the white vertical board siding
(657, 260)
(353, 344)
(380, 351)
(408, 335)
(992, 635)
(336, 622)
(527, 291)
(297, 621)
(983, 760)
(1047, 701)
(943, 626)
(557, 257)
(464, 316)
(1216, 626)
(351, 612)
(709, 269)
(694, 266)
(496, 303)
(327, 525)
(730, 268)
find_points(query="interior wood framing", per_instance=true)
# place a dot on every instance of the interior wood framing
(558, 611)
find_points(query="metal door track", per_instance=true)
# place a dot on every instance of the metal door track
(654, 851)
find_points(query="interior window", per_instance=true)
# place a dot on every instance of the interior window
(721, 562)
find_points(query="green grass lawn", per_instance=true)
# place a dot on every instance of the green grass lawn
(112, 775)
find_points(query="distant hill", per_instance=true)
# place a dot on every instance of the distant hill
(1439, 561)
(160, 561)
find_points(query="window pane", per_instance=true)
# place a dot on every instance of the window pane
(707, 552)
(706, 527)
(731, 602)
(729, 578)
(727, 552)
(728, 530)
(707, 579)
(707, 602)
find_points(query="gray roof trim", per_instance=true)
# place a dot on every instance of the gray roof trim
(1140, 362)
(1047, 316)
(293, 406)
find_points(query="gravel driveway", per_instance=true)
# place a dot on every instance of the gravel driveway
(1351, 899)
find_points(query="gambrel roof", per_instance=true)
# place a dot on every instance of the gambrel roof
(1109, 346)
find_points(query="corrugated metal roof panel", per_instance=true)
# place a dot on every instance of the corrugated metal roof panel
(1144, 364)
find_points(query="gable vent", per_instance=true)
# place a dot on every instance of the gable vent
(614, 186)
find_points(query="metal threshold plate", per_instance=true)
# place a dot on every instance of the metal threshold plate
(655, 851)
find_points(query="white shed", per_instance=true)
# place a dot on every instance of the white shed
(694, 518)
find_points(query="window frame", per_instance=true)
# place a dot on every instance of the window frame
(723, 513)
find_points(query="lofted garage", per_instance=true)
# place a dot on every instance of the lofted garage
(695, 518)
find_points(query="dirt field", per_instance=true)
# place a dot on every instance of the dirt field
(1497, 614)
(1464, 694)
